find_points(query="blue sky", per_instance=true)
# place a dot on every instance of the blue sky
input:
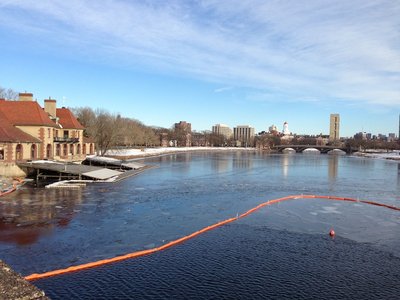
(234, 62)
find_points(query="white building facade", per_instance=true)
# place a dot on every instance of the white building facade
(244, 134)
(222, 129)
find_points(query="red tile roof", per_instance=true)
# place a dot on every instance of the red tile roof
(9, 133)
(67, 119)
(25, 113)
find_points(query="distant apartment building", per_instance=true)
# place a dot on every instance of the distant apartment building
(391, 137)
(361, 136)
(200, 139)
(334, 127)
(30, 132)
(382, 136)
(244, 134)
(222, 129)
(183, 134)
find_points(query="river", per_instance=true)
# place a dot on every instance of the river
(281, 251)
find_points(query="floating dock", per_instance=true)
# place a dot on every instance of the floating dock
(61, 171)
(70, 171)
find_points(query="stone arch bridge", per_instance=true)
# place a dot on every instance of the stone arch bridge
(322, 149)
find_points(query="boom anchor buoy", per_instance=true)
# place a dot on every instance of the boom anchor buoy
(332, 232)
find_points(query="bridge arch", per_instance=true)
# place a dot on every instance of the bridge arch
(336, 152)
(288, 150)
(311, 150)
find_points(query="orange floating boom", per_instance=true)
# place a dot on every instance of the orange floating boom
(196, 233)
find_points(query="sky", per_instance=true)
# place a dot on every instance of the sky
(234, 62)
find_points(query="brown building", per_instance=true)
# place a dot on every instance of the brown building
(29, 132)
(334, 127)
(183, 133)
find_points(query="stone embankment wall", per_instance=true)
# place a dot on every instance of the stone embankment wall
(14, 286)
(11, 170)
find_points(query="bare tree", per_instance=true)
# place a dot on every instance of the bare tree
(267, 141)
(217, 140)
(107, 128)
(8, 94)
(87, 117)
(110, 131)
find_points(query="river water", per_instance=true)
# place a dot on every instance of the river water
(281, 251)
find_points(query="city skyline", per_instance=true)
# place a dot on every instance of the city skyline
(247, 62)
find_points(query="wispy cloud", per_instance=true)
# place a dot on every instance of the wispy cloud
(348, 50)
(223, 89)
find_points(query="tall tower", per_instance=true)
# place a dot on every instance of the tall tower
(334, 127)
(285, 130)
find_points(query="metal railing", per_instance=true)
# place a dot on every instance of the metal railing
(65, 139)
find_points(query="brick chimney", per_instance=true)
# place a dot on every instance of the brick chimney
(25, 97)
(50, 106)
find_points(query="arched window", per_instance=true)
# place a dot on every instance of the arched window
(58, 150)
(71, 149)
(48, 151)
(65, 150)
(84, 148)
(33, 151)
(78, 150)
(18, 152)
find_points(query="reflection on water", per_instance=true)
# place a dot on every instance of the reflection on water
(398, 174)
(286, 160)
(333, 163)
(31, 213)
(398, 181)
(242, 160)
(220, 165)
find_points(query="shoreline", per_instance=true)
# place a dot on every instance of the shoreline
(392, 156)
(135, 154)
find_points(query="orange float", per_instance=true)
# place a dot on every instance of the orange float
(196, 233)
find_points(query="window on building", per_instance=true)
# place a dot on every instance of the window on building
(33, 151)
(48, 151)
(65, 150)
(58, 150)
(71, 149)
(78, 149)
(66, 134)
(1, 154)
(18, 152)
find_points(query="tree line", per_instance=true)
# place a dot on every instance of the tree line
(110, 131)
(8, 94)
